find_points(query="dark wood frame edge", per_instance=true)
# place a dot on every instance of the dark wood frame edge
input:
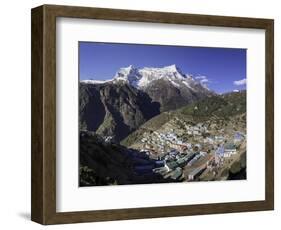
(43, 159)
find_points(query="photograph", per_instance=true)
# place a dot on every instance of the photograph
(173, 108)
(160, 114)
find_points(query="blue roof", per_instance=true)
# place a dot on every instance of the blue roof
(220, 150)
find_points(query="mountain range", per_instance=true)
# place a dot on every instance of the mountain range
(118, 106)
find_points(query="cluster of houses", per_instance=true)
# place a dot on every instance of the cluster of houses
(226, 150)
(196, 130)
(157, 144)
(172, 154)
(174, 168)
(183, 150)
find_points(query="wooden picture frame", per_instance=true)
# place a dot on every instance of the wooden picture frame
(43, 208)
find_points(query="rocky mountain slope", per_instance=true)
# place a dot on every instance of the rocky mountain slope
(114, 109)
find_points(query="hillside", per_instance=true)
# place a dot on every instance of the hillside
(219, 108)
(223, 106)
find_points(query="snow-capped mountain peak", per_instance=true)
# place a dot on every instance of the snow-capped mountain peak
(171, 71)
(168, 87)
(141, 78)
(172, 68)
(128, 74)
(124, 72)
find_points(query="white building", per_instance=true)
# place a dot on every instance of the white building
(230, 150)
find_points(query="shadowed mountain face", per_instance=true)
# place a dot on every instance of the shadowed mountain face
(114, 109)
(172, 97)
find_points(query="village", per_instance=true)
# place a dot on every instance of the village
(185, 151)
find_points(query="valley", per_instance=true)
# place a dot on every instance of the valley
(158, 125)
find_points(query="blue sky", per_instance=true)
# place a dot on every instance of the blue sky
(224, 69)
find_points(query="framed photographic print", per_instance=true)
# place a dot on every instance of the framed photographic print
(148, 114)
